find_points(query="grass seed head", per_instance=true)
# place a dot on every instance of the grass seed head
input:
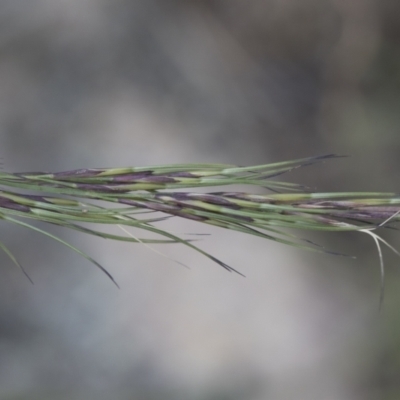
(75, 200)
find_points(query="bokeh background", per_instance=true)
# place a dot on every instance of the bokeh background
(96, 83)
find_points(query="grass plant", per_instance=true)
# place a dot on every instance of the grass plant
(85, 199)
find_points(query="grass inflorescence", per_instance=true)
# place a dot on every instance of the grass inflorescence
(84, 199)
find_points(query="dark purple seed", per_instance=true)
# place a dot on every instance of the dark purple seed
(163, 207)
(180, 196)
(6, 203)
(36, 198)
(130, 177)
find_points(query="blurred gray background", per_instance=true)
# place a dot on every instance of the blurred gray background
(96, 83)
